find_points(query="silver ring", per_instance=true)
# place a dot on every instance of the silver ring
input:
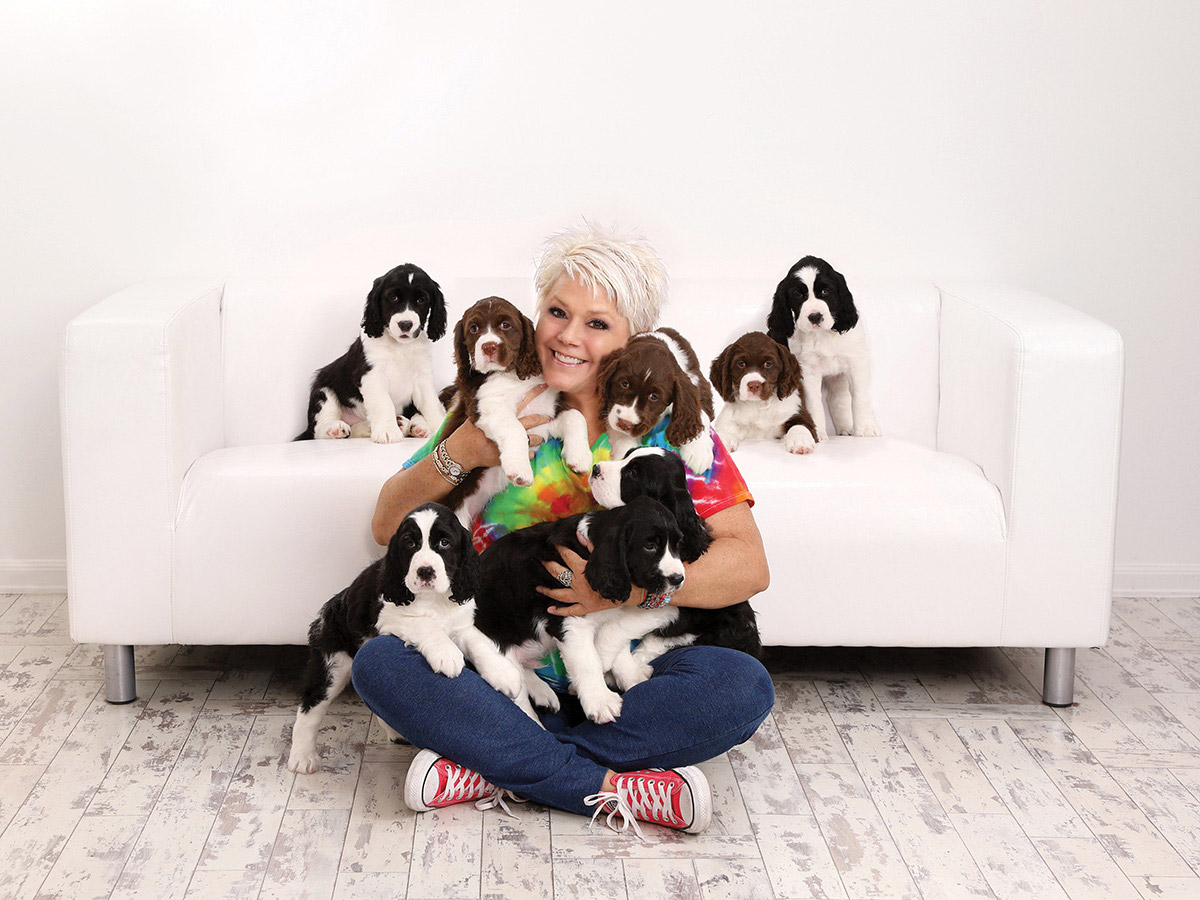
(565, 577)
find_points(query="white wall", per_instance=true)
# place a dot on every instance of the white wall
(1052, 145)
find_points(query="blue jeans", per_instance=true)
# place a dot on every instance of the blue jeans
(700, 702)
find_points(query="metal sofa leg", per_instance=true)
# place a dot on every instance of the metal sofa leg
(120, 684)
(1058, 683)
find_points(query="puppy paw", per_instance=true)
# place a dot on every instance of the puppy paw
(542, 694)
(446, 661)
(731, 443)
(580, 460)
(601, 706)
(799, 440)
(627, 672)
(303, 760)
(418, 427)
(503, 675)
(335, 430)
(519, 472)
(867, 429)
(387, 432)
(822, 434)
(698, 454)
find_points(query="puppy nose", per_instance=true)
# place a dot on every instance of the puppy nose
(595, 471)
(489, 349)
(405, 326)
(815, 318)
(425, 573)
(754, 386)
(675, 580)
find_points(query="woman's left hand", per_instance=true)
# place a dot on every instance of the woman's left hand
(579, 599)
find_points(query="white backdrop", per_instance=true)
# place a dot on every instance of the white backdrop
(1055, 146)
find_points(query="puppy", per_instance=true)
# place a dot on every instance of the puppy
(654, 374)
(636, 545)
(760, 382)
(421, 591)
(813, 314)
(655, 473)
(386, 377)
(497, 365)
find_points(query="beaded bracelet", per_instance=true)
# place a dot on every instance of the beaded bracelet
(654, 601)
(447, 467)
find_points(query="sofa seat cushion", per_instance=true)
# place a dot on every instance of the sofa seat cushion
(876, 542)
(251, 522)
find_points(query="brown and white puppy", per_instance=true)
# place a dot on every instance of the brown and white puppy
(658, 373)
(497, 366)
(760, 381)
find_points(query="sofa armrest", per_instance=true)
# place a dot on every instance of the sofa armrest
(1031, 392)
(140, 400)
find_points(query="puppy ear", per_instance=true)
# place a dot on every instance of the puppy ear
(608, 572)
(436, 327)
(695, 533)
(395, 570)
(721, 376)
(686, 423)
(464, 581)
(607, 365)
(528, 364)
(789, 373)
(372, 322)
(462, 355)
(781, 323)
(847, 313)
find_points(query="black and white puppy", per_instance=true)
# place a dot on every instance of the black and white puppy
(813, 314)
(387, 374)
(658, 474)
(636, 545)
(421, 591)
(760, 381)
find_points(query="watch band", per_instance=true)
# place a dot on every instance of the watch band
(447, 467)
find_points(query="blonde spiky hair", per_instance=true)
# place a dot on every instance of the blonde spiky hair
(624, 266)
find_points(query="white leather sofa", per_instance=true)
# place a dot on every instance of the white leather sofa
(983, 517)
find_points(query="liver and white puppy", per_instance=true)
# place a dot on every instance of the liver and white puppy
(813, 315)
(655, 473)
(387, 374)
(658, 373)
(497, 366)
(637, 545)
(759, 380)
(421, 591)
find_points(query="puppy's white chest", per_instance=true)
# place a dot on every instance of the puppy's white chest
(824, 352)
(763, 418)
(397, 365)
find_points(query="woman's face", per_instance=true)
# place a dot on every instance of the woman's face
(575, 331)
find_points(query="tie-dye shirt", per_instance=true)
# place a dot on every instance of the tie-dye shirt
(558, 491)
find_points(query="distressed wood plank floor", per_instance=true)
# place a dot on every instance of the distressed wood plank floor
(881, 773)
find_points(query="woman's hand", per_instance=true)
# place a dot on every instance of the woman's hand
(579, 599)
(472, 449)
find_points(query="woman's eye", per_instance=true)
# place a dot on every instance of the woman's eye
(598, 324)
(557, 312)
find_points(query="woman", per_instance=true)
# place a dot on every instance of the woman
(594, 290)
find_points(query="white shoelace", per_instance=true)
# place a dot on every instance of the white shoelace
(496, 798)
(615, 805)
(460, 782)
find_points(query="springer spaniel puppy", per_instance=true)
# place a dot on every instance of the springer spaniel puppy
(759, 380)
(636, 545)
(386, 377)
(814, 316)
(421, 591)
(497, 365)
(658, 373)
(658, 474)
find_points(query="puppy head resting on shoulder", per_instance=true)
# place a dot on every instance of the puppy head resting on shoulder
(430, 553)
(755, 368)
(405, 303)
(659, 474)
(640, 383)
(494, 336)
(813, 296)
(636, 545)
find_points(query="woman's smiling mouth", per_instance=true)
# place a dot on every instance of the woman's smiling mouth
(567, 360)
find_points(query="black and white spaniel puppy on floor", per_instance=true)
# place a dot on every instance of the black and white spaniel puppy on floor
(497, 366)
(658, 474)
(813, 314)
(384, 382)
(421, 591)
(635, 546)
(760, 382)
(656, 374)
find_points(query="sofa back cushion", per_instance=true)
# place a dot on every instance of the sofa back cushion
(277, 334)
